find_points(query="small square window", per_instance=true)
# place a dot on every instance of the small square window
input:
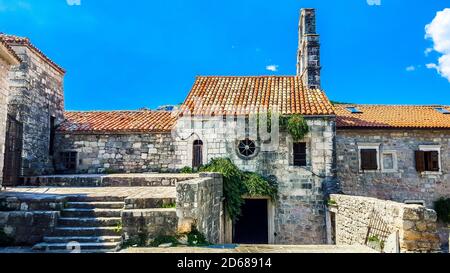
(388, 161)
(427, 161)
(69, 160)
(369, 159)
(300, 154)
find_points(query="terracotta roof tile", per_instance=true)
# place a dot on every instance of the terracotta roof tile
(16, 40)
(243, 95)
(118, 121)
(392, 116)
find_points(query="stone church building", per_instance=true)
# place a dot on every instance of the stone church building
(399, 153)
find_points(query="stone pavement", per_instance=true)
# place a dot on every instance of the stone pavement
(258, 249)
(132, 192)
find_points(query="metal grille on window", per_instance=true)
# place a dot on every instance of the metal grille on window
(247, 148)
(300, 154)
(69, 159)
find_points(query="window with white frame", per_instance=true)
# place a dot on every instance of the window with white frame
(369, 156)
(428, 158)
(389, 161)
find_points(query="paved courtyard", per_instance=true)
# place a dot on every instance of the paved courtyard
(257, 249)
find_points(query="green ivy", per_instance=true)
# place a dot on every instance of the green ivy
(237, 183)
(442, 208)
(297, 127)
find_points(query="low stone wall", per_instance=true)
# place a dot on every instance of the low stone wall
(199, 203)
(105, 180)
(28, 228)
(415, 225)
(152, 222)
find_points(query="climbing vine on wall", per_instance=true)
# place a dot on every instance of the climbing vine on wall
(297, 127)
(237, 183)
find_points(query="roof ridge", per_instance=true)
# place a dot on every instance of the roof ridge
(252, 76)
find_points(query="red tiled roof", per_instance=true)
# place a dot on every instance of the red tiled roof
(392, 116)
(16, 40)
(118, 121)
(243, 95)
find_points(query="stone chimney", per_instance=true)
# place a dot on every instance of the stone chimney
(308, 58)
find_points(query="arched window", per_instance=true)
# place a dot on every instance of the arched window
(197, 154)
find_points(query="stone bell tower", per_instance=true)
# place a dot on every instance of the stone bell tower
(308, 57)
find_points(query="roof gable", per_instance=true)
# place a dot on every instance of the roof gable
(243, 95)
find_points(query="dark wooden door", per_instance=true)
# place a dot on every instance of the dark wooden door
(197, 154)
(13, 152)
(252, 227)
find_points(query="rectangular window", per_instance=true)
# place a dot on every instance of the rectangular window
(69, 160)
(369, 159)
(300, 154)
(51, 150)
(427, 161)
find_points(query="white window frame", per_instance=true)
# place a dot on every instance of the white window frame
(372, 146)
(432, 148)
(394, 161)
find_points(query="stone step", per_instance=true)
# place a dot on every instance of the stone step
(82, 246)
(98, 205)
(91, 198)
(88, 213)
(89, 222)
(85, 231)
(84, 239)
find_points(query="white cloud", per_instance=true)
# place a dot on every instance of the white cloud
(272, 67)
(374, 2)
(428, 51)
(439, 32)
(411, 68)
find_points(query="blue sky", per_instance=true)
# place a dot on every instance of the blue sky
(134, 54)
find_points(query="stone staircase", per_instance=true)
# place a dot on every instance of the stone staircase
(87, 224)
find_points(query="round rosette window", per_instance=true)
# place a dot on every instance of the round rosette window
(247, 148)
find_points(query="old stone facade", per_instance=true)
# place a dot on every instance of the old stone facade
(37, 101)
(401, 227)
(7, 59)
(299, 212)
(116, 153)
(397, 178)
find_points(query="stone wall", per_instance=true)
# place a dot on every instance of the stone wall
(36, 96)
(414, 224)
(299, 216)
(124, 153)
(402, 184)
(199, 203)
(4, 91)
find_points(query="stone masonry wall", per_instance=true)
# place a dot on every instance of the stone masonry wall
(415, 224)
(299, 216)
(199, 203)
(124, 153)
(402, 184)
(36, 95)
(4, 91)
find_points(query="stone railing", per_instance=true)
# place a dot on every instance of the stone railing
(401, 227)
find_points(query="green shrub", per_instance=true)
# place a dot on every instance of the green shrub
(164, 239)
(196, 238)
(169, 206)
(187, 170)
(442, 208)
(256, 185)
